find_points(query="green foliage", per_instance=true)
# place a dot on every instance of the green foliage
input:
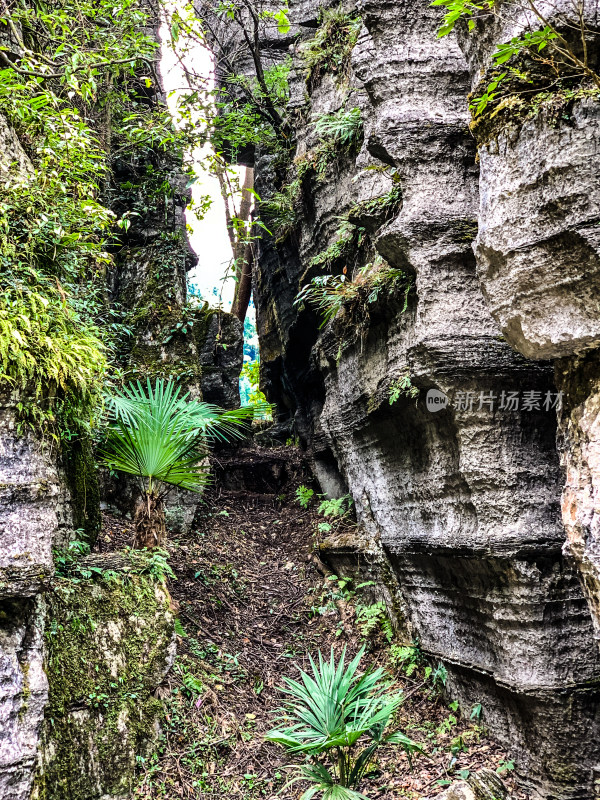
(330, 49)
(326, 715)
(336, 507)
(51, 352)
(402, 387)
(304, 495)
(280, 211)
(559, 58)
(154, 563)
(461, 9)
(339, 132)
(383, 207)
(343, 127)
(242, 121)
(318, 159)
(370, 618)
(251, 372)
(349, 240)
(440, 676)
(70, 60)
(158, 434)
(407, 657)
(326, 293)
(505, 766)
(329, 294)
(84, 41)
(150, 563)
(66, 559)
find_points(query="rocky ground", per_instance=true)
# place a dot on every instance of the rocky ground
(253, 602)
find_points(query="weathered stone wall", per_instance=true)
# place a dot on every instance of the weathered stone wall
(49, 495)
(463, 503)
(109, 642)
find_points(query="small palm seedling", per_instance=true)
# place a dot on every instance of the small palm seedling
(163, 438)
(326, 715)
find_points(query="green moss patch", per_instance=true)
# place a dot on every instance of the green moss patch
(108, 643)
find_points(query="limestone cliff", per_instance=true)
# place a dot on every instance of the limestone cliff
(475, 277)
(80, 659)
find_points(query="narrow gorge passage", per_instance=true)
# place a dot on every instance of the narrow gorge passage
(403, 197)
(254, 601)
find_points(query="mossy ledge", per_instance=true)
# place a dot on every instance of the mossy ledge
(109, 643)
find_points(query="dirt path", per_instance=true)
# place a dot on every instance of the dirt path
(253, 604)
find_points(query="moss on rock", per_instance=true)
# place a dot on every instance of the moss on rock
(109, 643)
(82, 480)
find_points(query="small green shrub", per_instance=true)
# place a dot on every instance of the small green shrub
(336, 507)
(242, 123)
(317, 160)
(280, 211)
(408, 658)
(66, 559)
(328, 713)
(326, 293)
(160, 436)
(329, 294)
(402, 387)
(343, 127)
(384, 207)
(348, 242)
(304, 495)
(556, 57)
(156, 565)
(255, 397)
(370, 618)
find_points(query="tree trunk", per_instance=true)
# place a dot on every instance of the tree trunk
(243, 290)
(149, 521)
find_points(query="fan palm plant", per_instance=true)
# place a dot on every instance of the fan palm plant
(163, 438)
(327, 713)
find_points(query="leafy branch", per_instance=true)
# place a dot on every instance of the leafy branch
(544, 42)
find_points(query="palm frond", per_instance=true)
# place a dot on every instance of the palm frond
(156, 432)
(326, 712)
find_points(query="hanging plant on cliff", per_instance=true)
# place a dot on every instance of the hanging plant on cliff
(163, 438)
(555, 52)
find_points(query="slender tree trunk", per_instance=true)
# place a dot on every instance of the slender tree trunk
(242, 253)
(243, 290)
(237, 228)
(149, 522)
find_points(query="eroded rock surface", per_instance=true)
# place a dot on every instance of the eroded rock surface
(109, 643)
(538, 247)
(464, 503)
(23, 693)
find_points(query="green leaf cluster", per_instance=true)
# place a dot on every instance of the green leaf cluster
(76, 78)
(243, 120)
(330, 49)
(343, 127)
(327, 713)
(329, 294)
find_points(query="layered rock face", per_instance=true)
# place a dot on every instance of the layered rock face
(463, 498)
(538, 259)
